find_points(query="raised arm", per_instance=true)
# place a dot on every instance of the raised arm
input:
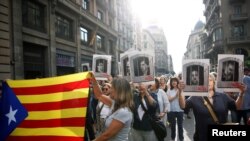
(98, 93)
(181, 97)
(144, 92)
(239, 100)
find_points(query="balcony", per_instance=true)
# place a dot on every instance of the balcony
(239, 17)
(76, 3)
(238, 40)
(218, 43)
(211, 47)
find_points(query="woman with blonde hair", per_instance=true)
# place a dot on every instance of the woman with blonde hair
(118, 123)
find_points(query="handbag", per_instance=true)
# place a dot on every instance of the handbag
(99, 121)
(212, 113)
(157, 125)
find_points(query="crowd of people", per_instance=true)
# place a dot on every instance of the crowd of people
(122, 110)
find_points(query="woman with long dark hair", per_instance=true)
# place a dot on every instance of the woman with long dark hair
(118, 123)
(176, 112)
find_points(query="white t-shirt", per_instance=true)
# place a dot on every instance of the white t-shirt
(125, 116)
(105, 111)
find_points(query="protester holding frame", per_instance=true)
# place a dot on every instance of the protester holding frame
(118, 123)
(142, 129)
(219, 102)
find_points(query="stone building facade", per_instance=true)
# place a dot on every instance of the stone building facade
(43, 38)
(228, 29)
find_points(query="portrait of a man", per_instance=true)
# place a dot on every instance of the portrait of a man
(195, 75)
(230, 71)
(141, 66)
(101, 66)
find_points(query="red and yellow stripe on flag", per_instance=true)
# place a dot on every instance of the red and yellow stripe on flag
(56, 108)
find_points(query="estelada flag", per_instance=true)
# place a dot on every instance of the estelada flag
(56, 108)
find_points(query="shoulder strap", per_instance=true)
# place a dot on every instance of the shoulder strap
(143, 106)
(211, 111)
(99, 110)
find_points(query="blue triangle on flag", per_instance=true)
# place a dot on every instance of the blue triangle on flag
(12, 112)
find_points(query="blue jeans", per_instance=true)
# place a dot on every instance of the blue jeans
(172, 119)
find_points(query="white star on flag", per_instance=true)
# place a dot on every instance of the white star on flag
(11, 115)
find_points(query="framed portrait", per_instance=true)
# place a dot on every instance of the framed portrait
(125, 67)
(142, 69)
(101, 66)
(230, 71)
(195, 75)
(85, 67)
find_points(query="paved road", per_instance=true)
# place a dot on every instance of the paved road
(188, 125)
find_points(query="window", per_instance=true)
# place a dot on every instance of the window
(238, 31)
(145, 45)
(84, 35)
(237, 9)
(124, 45)
(33, 61)
(33, 15)
(85, 4)
(99, 15)
(99, 42)
(217, 34)
(111, 48)
(63, 27)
